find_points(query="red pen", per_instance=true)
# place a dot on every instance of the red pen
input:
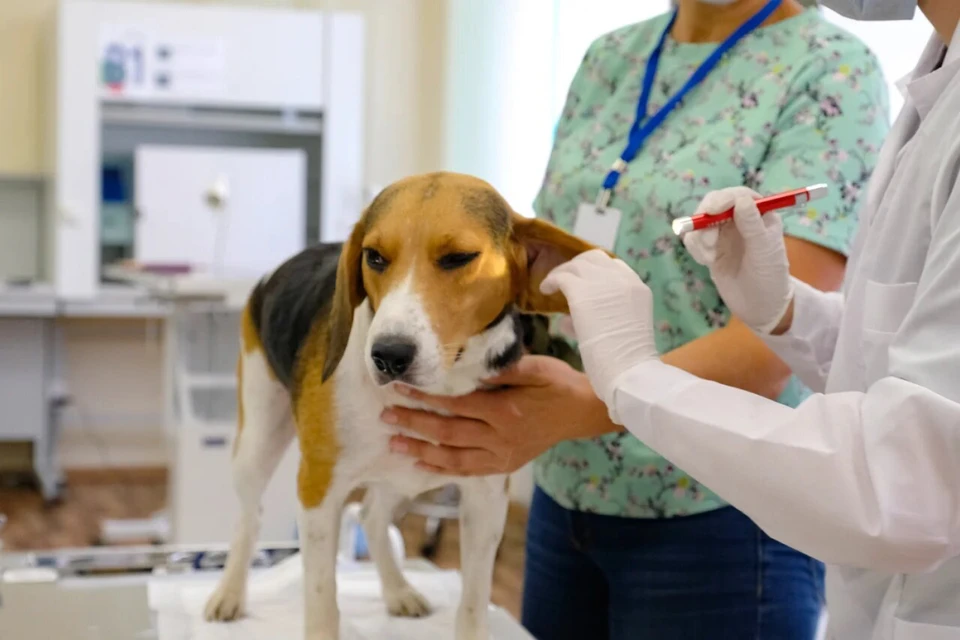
(765, 204)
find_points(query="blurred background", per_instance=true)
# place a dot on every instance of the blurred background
(140, 140)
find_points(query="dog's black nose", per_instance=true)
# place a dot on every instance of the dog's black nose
(393, 356)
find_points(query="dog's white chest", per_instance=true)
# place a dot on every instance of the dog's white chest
(365, 444)
(364, 439)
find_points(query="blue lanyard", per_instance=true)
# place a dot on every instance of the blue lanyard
(643, 127)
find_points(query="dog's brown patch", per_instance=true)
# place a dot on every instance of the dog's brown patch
(249, 336)
(536, 248)
(316, 418)
(349, 293)
(249, 342)
(236, 440)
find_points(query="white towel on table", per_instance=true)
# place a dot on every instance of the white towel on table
(275, 606)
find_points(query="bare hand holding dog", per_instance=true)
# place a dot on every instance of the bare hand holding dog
(545, 401)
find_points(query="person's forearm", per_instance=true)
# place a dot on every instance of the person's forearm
(737, 357)
(814, 477)
(733, 356)
(597, 422)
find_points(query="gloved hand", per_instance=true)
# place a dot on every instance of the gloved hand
(747, 259)
(612, 311)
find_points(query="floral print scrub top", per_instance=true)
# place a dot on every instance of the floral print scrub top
(795, 103)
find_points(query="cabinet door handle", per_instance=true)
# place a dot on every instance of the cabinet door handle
(214, 442)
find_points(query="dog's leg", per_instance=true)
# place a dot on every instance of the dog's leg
(483, 513)
(266, 430)
(319, 538)
(379, 508)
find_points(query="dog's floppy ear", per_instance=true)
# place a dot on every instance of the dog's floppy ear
(347, 296)
(538, 247)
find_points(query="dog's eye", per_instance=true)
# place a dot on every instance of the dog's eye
(453, 261)
(375, 260)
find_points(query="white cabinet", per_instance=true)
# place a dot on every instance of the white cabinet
(233, 210)
(212, 56)
(125, 78)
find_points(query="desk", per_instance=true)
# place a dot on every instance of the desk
(31, 362)
(28, 371)
(199, 313)
(115, 301)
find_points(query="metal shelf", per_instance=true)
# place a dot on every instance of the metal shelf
(292, 123)
(29, 301)
(119, 302)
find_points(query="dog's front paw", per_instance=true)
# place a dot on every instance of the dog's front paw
(226, 603)
(406, 602)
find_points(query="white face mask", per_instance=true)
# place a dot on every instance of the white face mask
(873, 9)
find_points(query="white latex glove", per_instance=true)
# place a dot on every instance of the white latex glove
(747, 259)
(612, 311)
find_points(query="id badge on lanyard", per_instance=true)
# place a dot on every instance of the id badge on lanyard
(598, 223)
(597, 226)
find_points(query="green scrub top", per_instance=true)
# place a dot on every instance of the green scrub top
(795, 103)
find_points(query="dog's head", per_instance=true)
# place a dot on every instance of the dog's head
(446, 266)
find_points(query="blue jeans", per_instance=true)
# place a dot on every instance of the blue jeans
(712, 575)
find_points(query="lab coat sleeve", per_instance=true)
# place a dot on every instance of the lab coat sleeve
(808, 346)
(868, 479)
(862, 479)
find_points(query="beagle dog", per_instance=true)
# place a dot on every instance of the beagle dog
(427, 292)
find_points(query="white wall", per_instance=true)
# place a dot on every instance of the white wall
(20, 206)
(510, 65)
(499, 57)
(405, 40)
(580, 23)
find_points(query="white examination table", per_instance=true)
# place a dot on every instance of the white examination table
(157, 593)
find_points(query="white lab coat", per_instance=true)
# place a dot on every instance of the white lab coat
(865, 474)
